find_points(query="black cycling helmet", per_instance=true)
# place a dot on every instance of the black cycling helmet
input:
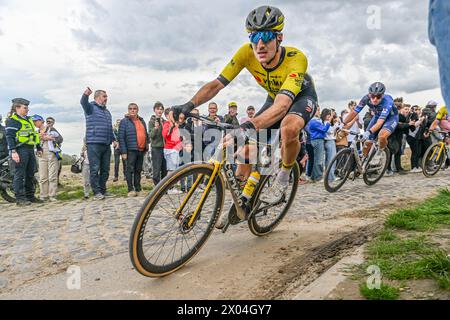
(265, 18)
(377, 88)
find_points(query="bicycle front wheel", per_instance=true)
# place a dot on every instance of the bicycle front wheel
(171, 228)
(376, 166)
(268, 216)
(433, 159)
(340, 166)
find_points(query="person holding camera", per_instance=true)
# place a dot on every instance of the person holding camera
(155, 127)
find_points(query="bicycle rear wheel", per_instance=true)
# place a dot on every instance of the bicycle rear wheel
(163, 237)
(376, 166)
(433, 160)
(267, 217)
(341, 166)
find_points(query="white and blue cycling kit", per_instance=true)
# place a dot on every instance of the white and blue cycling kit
(385, 110)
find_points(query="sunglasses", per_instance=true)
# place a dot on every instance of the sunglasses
(265, 36)
(377, 96)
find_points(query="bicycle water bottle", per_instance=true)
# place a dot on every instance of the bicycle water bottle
(250, 187)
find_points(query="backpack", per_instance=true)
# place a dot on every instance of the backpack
(77, 166)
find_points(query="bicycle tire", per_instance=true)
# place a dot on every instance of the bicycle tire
(136, 246)
(253, 223)
(8, 198)
(370, 182)
(430, 173)
(347, 167)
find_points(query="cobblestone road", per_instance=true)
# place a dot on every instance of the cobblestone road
(46, 239)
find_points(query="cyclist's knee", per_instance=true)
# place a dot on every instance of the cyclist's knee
(291, 127)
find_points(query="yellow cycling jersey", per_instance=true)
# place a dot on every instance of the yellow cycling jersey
(442, 114)
(289, 77)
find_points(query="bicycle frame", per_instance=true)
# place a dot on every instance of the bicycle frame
(442, 148)
(220, 166)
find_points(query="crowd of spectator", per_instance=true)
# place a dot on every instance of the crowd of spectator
(170, 144)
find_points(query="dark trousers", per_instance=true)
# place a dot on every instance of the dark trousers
(309, 166)
(117, 159)
(415, 146)
(99, 163)
(135, 162)
(158, 164)
(24, 186)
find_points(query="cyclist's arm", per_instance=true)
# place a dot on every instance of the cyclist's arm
(434, 125)
(207, 92)
(354, 113)
(274, 114)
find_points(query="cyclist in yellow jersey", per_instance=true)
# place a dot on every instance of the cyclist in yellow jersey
(281, 71)
(442, 119)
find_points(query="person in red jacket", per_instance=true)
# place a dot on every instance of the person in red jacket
(172, 143)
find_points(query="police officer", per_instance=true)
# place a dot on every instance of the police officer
(22, 139)
(3, 143)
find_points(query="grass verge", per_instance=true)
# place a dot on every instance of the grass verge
(403, 250)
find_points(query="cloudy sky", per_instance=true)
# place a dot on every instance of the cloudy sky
(144, 51)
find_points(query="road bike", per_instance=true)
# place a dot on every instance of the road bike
(351, 163)
(172, 227)
(436, 155)
(6, 181)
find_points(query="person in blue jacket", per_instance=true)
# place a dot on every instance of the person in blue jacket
(317, 129)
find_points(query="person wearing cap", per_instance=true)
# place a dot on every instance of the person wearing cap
(3, 143)
(430, 112)
(250, 114)
(22, 139)
(49, 160)
(231, 117)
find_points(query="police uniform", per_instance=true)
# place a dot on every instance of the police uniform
(22, 138)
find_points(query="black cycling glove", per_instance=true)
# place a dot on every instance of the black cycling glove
(184, 109)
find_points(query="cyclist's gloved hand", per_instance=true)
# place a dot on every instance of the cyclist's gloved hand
(247, 126)
(366, 135)
(184, 108)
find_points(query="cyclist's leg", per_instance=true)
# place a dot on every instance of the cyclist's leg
(388, 128)
(368, 144)
(249, 152)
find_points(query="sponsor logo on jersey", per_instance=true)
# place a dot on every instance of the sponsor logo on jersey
(292, 54)
(258, 79)
(293, 75)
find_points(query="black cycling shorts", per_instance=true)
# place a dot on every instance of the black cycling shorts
(305, 106)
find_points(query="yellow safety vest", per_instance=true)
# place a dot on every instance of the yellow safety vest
(27, 133)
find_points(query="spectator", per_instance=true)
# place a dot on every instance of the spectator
(341, 134)
(412, 138)
(22, 139)
(172, 146)
(231, 117)
(196, 129)
(356, 125)
(330, 142)
(133, 142)
(212, 137)
(99, 136)
(85, 170)
(310, 152)
(438, 30)
(49, 160)
(118, 156)
(318, 128)
(155, 127)
(250, 114)
(3, 143)
(396, 140)
(186, 153)
(430, 110)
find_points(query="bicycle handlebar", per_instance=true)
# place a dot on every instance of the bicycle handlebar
(222, 126)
